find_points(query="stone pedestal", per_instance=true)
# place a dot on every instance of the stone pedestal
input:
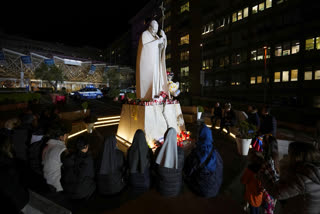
(154, 120)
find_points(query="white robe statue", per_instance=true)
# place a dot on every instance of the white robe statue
(151, 75)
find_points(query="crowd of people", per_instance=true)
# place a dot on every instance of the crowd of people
(294, 184)
(36, 155)
(264, 122)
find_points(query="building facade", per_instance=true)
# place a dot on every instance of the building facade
(263, 51)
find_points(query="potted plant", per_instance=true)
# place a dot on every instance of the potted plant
(85, 106)
(200, 111)
(246, 132)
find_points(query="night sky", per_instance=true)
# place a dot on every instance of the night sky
(80, 23)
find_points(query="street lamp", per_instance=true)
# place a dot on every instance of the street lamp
(265, 75)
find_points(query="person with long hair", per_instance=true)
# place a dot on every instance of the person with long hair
(300, 189)
(111, 174)
(169, 165)
(204, 166)
(139, 162)
(78, 172)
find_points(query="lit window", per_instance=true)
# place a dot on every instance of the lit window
(260, 54)
(286, 49)
(278, 50)
(234, 17)
(253, 80)
(318, 43)
(211, 27)
(240, 15)
(185, 7)
(259, 79)
(317, 75)
(203, 65)
(221, 62)
(261, 6)
(308, 75)
(253, 55)
(268, 4)
(295, 47)
(277, 76)
(184, 55)
(245, 12)
(167, 29)
(285, 76)
(167, 15)
(310, 44)
(226, 60)
(294, 75)
(236, 58)
(268, 52)
(184, 71)
(255, 9)
(184, 40)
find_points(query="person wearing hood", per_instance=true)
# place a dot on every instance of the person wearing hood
(204, 166)
(53, 154)
(169, 165)
(139, 162)
(111, 175)
(299, 187)
(78, 172)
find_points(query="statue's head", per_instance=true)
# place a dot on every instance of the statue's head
(153, 27)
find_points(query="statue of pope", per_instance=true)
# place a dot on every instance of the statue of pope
(151, 75)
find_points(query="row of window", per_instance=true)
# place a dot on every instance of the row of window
(207, 64)
(239, 15)
(313, 43)
(287, 76)
(261, 6)
(260, 53)
(287, 48)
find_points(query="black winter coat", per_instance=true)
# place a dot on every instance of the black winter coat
(78, 176)
(268, 125)
(169, 181)
(109, 184)
(200, 180)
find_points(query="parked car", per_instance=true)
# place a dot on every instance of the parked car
(87, 93)
(127, 90)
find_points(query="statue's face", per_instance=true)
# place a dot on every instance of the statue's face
(154, 27)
